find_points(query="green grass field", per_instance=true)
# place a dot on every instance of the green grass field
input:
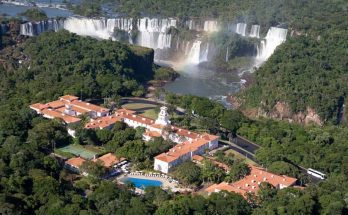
(149, 112)
(87, 152)
(137, 106)
(241, 157)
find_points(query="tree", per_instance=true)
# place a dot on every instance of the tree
(284, 168)
(232, 120)
(45, 188)
(266, 192)
(156, 195)
(104, 135)
(227, 203)
(188, 173)
(85, 136)
(157, 146)
(47, 134)
(238, 171)
(95, 169)
(35, 14)
(132, 150)
(211, 172)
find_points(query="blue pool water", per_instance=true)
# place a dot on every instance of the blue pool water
(142, 183)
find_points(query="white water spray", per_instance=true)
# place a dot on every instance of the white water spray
(195, 52)
(255, 31)
(241, 29)
(275, 37)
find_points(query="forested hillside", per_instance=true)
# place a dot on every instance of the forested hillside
(309, 70)
(58, 63)
(48, 66)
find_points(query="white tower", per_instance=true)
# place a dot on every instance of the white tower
(163, 117)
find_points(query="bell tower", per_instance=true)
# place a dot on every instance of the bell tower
(163, 117)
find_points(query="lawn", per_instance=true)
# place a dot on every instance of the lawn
(152, 114)
(137, 106)
(87, 152)
(240, 156)
(146, 110)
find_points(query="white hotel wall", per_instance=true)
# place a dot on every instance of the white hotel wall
(161, 166)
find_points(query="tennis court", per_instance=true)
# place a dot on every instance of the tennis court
(79, 150)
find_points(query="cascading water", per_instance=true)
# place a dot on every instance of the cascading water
(89, 27)
(195, 52)
(153, 32)
(204, 57)
(36, 28)
(121, 24)
(255, 31)
(194, 25)
(187, 48)
(275, 37)
(241, 29)
(178, 51)
(210, 26)
(199, 25)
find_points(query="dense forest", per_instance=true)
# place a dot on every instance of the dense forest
(58, 63)
(309, 70)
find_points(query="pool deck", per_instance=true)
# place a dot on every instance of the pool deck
(166, 184)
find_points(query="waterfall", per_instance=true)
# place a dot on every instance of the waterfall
(241, 29)
(195, 52)
(121, 24)
(187, 48)
(205, 54)
(36, 28)
(275, 37)
(164, 41)
(89, 27)
(255, 31)
(153, 32)
(191, 25)
(210, 26)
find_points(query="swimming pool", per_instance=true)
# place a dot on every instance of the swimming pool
(142, 183)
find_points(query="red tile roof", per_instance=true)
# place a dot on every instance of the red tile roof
(125, 111)
(181, 149)
(130, 115)
(69, 98)
(38, 106)
(56, 114)
(56, 109)
(251, 182)
(152, 134)
(88, 106)
(56, 104)
(109, 160)
(75, 162)
(185, 132)
(103, 122)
